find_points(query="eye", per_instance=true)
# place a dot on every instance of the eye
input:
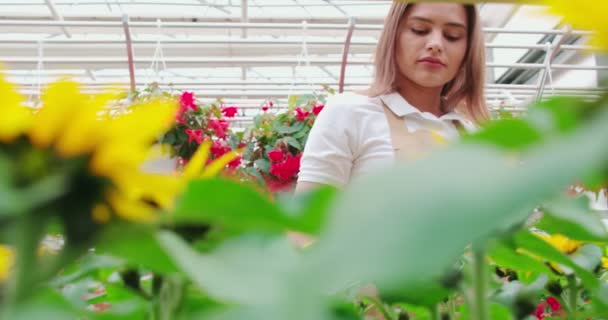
(452, 38)
(420, 31)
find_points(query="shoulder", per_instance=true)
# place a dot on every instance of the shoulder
(353, 104)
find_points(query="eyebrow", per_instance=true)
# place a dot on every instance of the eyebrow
(452, 24)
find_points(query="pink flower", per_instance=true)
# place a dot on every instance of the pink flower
(230, 111)
(186, 100)
(265, 108)
(554, 304)
(276, 155)
(219, 126)
(317, 109)
(301, 114)
(194, 134)
(270, 104)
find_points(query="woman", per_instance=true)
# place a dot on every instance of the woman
(429, 82)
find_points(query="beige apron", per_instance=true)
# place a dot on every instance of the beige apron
(411, 145)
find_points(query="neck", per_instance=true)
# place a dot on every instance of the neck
(424, 99)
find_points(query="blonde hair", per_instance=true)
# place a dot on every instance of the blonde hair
(465, 92)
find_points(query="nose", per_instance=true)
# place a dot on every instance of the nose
(435, 42)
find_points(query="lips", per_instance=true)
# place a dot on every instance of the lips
(432, 62)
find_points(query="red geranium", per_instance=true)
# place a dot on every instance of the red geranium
(276, 155)
(195, 135)
(187, 100)
(218, 149)
(317, 109)
(554, 304)
(540, 311)
(301, 114)
(219, 126)
(286, 169)
(230, 111)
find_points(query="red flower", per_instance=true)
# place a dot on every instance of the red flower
(230, 111)
(275, 185)
(219, 126)
(235, 163)
(186, 100)
(317, 109)
(276, 155)
(286, 169)
(540, 311)
(218, 149)
(301, 114)
(265, 108)
(270, 104)
(553, 303)
(195, 134)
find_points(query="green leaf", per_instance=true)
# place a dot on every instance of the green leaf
(87, 266)
(230, 204)
(588, 257)
(507, 257)
(556, 115)
(245, 270)
(292, 101)
(574, 219)
(293, 142)
(305, 100)
(137, 245)
(514, 293)
(47, 304)
(384, 225)
(512, 134)
(540, 248)
(308, 209)
(262, 164)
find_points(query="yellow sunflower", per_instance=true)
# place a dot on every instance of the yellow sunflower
(561, 242)
(584, 14)
(106, 150)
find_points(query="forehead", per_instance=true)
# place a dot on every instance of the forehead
(439, 13)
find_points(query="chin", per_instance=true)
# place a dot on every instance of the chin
(430, 82)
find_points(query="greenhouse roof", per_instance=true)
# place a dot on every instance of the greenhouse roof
(249, 51)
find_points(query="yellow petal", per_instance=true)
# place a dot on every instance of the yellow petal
(160, 189)
(15, 119)
(144, 123)
(59, 104)
(82, 134)
(604, 263)
(7, 259)
(114, 159)
(219, 164)
(198, 160)
(584, 14)
(131, 209)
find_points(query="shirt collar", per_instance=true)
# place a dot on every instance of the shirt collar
(401, 108)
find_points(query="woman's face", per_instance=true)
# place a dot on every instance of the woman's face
(432, 43)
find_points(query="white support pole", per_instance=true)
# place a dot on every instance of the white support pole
(57, 16)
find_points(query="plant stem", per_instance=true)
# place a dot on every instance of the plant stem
(434, 313)
(480, 284)
(572, 296)
(28, 230)
(452, 307)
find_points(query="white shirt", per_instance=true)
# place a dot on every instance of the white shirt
(351, 136)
